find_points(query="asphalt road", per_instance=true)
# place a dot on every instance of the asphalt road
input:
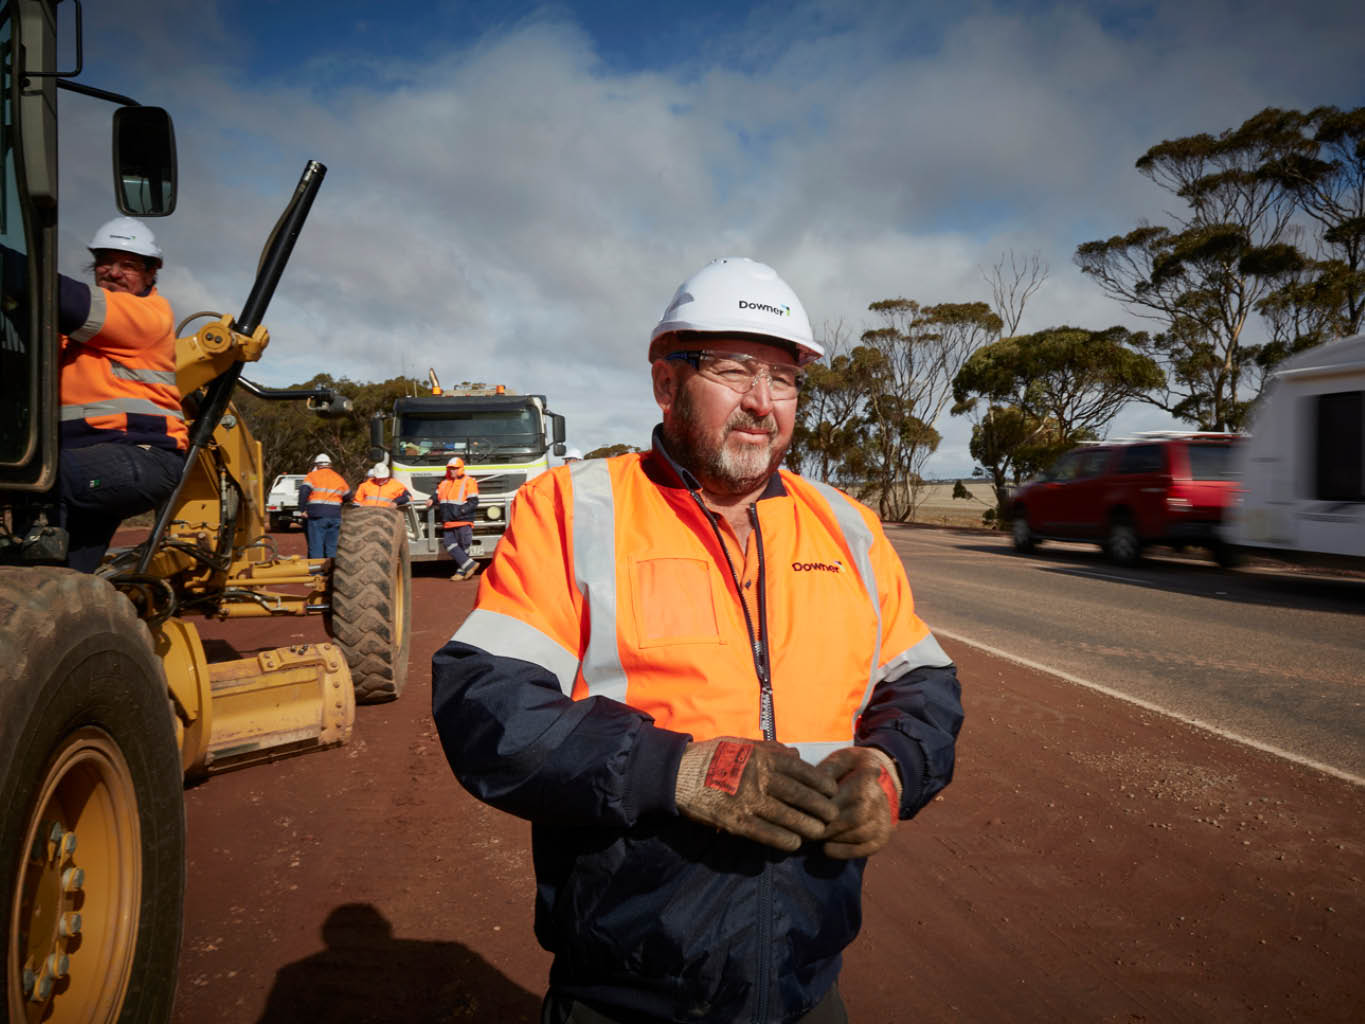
(1275, 657)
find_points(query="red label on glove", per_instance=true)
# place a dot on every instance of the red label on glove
(727, 766)
(889, 788)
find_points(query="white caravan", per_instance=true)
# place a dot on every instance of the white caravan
(1303, 467)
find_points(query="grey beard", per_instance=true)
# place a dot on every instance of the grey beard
(720, 470)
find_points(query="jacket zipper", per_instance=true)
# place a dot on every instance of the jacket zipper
(758, 645)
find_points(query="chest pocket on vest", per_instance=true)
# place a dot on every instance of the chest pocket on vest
(675, 602)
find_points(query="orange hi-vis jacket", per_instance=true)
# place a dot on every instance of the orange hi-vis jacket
(619, 620)
(659, 609)
(118, 374)
(322, 492)
(390, 494)
(451, 494)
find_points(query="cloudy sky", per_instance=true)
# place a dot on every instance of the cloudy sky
(515, 189)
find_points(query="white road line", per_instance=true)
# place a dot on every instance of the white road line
(1247, 741)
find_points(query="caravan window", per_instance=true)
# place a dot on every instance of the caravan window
(1339, 447)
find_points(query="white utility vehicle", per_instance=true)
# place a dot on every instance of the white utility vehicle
(1303, 467)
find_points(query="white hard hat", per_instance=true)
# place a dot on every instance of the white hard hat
(126, 235)
(572, 453)
(455, 463)
(381, 471)
(322, 459)
(737, 295)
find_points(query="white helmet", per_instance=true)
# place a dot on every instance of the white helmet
(381, 471)
(126, 235)
(455, 462)
(737, 295)
(572, 453)
(322, 459)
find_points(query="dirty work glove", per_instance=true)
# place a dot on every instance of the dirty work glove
(760, 790)
(869, 800)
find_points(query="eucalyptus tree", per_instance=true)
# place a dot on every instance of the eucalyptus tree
(1203, 277)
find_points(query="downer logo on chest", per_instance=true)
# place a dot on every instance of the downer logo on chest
(835, 566)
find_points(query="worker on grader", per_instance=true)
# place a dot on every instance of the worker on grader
(321, 494)
(123, 434)
(381, 490)
(458, 498)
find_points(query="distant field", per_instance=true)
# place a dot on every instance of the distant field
(939, 506)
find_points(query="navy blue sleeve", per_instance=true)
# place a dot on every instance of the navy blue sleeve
(915, 718)
(73, 304)
(402, 499)
(515, 741)
(305, 492)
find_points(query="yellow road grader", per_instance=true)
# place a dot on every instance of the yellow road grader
(107, 700)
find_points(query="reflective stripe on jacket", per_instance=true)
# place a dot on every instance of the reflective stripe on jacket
(322, 492)
(118, 374)
(457, 498)
(389, 494)
(610, 629)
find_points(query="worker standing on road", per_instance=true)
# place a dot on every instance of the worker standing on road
(321, 494)
(704, 682)
(458, 498)
(123, 434)
(381, 490)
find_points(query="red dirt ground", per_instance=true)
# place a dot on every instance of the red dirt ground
(1091, 862)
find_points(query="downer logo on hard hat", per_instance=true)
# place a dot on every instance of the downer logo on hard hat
(765, 308)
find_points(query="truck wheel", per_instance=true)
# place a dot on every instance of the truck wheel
(371, 613)
(92, 822)
(1122, 544)
(1020, 532)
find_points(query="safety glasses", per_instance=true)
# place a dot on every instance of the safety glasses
(740, 372)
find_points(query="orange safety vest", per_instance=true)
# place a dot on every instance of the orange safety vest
(456, 491)
(377, 495)
(327, 487)
(651, 613)
(118, 374)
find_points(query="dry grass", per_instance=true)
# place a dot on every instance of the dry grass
(939, 507)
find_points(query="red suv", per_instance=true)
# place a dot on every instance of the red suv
(1162, 488)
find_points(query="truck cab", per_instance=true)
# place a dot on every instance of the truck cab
(505, 439)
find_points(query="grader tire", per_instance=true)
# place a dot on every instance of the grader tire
(371, 606)
(92, 820)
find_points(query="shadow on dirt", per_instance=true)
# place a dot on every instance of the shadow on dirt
(366, 975)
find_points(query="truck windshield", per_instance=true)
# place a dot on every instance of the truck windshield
(504, 435)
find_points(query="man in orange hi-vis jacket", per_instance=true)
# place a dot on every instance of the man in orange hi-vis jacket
(381, 489)
(123, 434)
(703, 680)
(457, 498)
(321, 495)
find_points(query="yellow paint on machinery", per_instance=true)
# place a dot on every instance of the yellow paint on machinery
(216, 560)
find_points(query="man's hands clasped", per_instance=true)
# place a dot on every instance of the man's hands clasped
(763, 791)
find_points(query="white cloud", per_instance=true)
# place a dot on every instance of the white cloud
(514, 210)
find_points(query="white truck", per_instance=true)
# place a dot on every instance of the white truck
(282, 503)
(1303, 467)
(505, 439)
